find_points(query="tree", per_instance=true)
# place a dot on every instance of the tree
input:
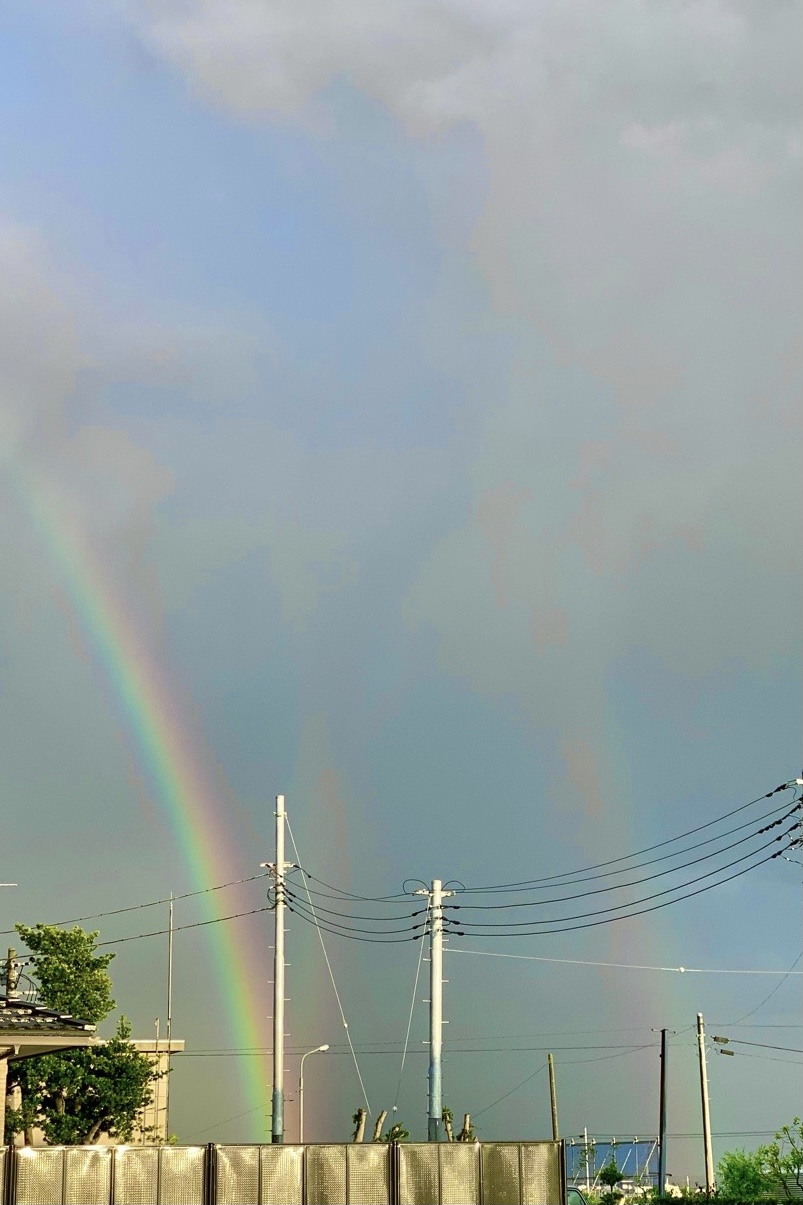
(72, 977)
(77, 1096)
(610, 1176)
(783, 1159)
(742, 1176)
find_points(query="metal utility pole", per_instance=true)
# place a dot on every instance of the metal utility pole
(169, 1013)
(553, 1099)
(709, 1154)
(279, 866)
(662, 1118)
(157, 1093)
(436, 896)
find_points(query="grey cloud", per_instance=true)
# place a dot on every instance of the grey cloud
(637, 246)
(67, 457)
(39, 352)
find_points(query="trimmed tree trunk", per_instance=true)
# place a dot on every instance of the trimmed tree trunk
(380, 1121)
(359, 1129)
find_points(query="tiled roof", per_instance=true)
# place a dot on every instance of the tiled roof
(18, 1016)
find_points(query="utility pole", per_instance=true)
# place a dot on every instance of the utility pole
(12, 974)
(279, 867)
(169, 1013)
(436, 897)
(553, 1100)
(709, 1154)
(662, 1118)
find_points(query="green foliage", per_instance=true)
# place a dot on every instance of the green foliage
(77, 1096)
(396, 1133)
(72, 977)
(610, 1176)
(783, 1159)
(742, 1176)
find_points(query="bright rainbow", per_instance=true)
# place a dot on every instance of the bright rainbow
(165, 750)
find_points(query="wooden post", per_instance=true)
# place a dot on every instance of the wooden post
(553, 1100)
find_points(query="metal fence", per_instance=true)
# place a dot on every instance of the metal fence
(491, 1173)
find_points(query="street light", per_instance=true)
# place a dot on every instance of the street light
(318, 1049)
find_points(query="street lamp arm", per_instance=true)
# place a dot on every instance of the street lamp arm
(305, 1055)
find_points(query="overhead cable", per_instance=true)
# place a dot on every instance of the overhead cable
(632, 882)
(590, 924)
(474, 925)
(524, 883)
(332, 979)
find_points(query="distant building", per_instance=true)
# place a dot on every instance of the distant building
(152, 1125)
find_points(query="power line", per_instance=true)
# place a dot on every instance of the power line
(383, 920)
(777, 987)
(477, 925)
(633, 882)
(335, 1049)
(410, 1019)
(342, 894)
(298, 909)
(334, 985)
(766, 1046)
(524, 883)
(77, 920)
(626, 966)
(570, 1062)
(200, 924)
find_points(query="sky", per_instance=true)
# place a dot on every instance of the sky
(400, 411)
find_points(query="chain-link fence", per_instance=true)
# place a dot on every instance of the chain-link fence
(491, 1173)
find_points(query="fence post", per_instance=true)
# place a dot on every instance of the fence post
(210, 1174)
(393, 1173)
(8, 1174)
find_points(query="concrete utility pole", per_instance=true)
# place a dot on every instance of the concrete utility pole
(709, 1154)
(279, 867)
(436, 896)
(169, 1013)
(662, 1118)
(552, 1098)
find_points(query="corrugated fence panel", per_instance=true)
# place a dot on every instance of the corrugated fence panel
(87, 1176)
(40, 1176)
(136, 1175)
(282, 1175)
(542, 1173)
(498, 1173)
(181, 1181)
(501, 1179)
(326, 1175)
(460, 1173)
(237, 1175)
(419, 1179)
(368, 1174)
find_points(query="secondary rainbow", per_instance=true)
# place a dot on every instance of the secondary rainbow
(166, 751)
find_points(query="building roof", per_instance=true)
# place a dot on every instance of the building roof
(32, 1029)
